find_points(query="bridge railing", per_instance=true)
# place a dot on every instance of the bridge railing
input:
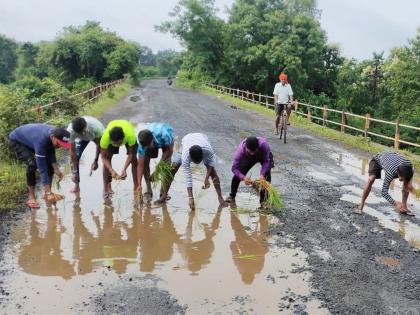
(310, 111)
(89, 95)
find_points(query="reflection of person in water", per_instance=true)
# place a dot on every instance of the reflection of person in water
(42, 256)
(157, 237)
(248, 251)
(108, 247)
(154, 234)
(198, 254)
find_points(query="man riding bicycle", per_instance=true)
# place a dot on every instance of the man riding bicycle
(283, 95)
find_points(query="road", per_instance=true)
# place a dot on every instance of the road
(315, 257)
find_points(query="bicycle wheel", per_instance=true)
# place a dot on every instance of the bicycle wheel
(285, 126)
(281, 125)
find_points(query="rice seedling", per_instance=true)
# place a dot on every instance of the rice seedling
(273, 198)
(248, 257)
(162, 174)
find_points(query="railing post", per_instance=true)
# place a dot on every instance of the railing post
(266, 102)
(309, 114)
(397, 135)
(247, 95)
(367, 125)
(259, 98)
(237, 93)
(296, 105)
(342, 122)
(324, 115)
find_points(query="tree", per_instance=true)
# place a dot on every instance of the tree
(168, 62)
(26, 60)
(8, 59)
(195, 23)
(89, 51)
(147, 58)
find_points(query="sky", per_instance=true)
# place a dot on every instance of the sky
(360, 27)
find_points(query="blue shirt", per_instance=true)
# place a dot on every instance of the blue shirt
(37, 138)
(163, 136)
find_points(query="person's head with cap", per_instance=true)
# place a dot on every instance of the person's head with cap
(283, 78)
(60, 137)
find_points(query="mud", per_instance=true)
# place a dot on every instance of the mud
(316, 257)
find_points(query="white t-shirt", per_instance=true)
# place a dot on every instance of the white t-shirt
(95, 130)
(283, 92)
(209, 157)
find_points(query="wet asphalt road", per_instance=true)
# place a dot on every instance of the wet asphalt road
(349, 256)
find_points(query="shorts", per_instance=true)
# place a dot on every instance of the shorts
(153, 153)
(116, 150)
(279, 107)
(374, 169)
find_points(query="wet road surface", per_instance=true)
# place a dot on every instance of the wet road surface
(316, 257)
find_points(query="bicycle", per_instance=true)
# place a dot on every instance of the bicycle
(283, 121)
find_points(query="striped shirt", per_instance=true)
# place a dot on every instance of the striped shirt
(390, 161)
(209, 158)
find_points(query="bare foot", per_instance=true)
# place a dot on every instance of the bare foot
(222, 203)
(160, 201)
(33, 204)
(358, 211)
(75, 189)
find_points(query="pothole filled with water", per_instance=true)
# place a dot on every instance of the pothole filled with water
(212, 259)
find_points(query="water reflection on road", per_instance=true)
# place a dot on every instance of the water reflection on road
(211, 254)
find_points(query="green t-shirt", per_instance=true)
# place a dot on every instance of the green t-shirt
(128, 129)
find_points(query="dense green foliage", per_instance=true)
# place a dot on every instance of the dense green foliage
(78, 59)
(262, 38)
(163, 63)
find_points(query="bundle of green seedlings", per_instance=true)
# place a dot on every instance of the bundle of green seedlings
(273, 198)
(162, 174)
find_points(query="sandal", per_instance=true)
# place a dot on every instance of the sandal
(33, 204)
(148, 195)
(357, 211)
(230, 199)
(408, 213)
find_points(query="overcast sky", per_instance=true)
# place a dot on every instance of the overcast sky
(359, 26)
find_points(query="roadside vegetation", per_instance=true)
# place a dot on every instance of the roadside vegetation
(79, 58)
(261, 38)
(357, 142)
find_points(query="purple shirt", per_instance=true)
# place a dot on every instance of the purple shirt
(241, 153)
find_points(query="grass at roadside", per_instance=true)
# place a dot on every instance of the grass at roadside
(107, 100)
(358, 142)
(12, 183)
(12, 174)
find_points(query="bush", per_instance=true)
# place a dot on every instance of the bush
(83, 84)
(150, 71)
(12, 114)
(193, 79)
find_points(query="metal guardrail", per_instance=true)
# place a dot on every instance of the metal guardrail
(268, 102)
(90, 95)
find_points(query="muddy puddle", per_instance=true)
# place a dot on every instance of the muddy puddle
(376, 206)
(212, 260)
